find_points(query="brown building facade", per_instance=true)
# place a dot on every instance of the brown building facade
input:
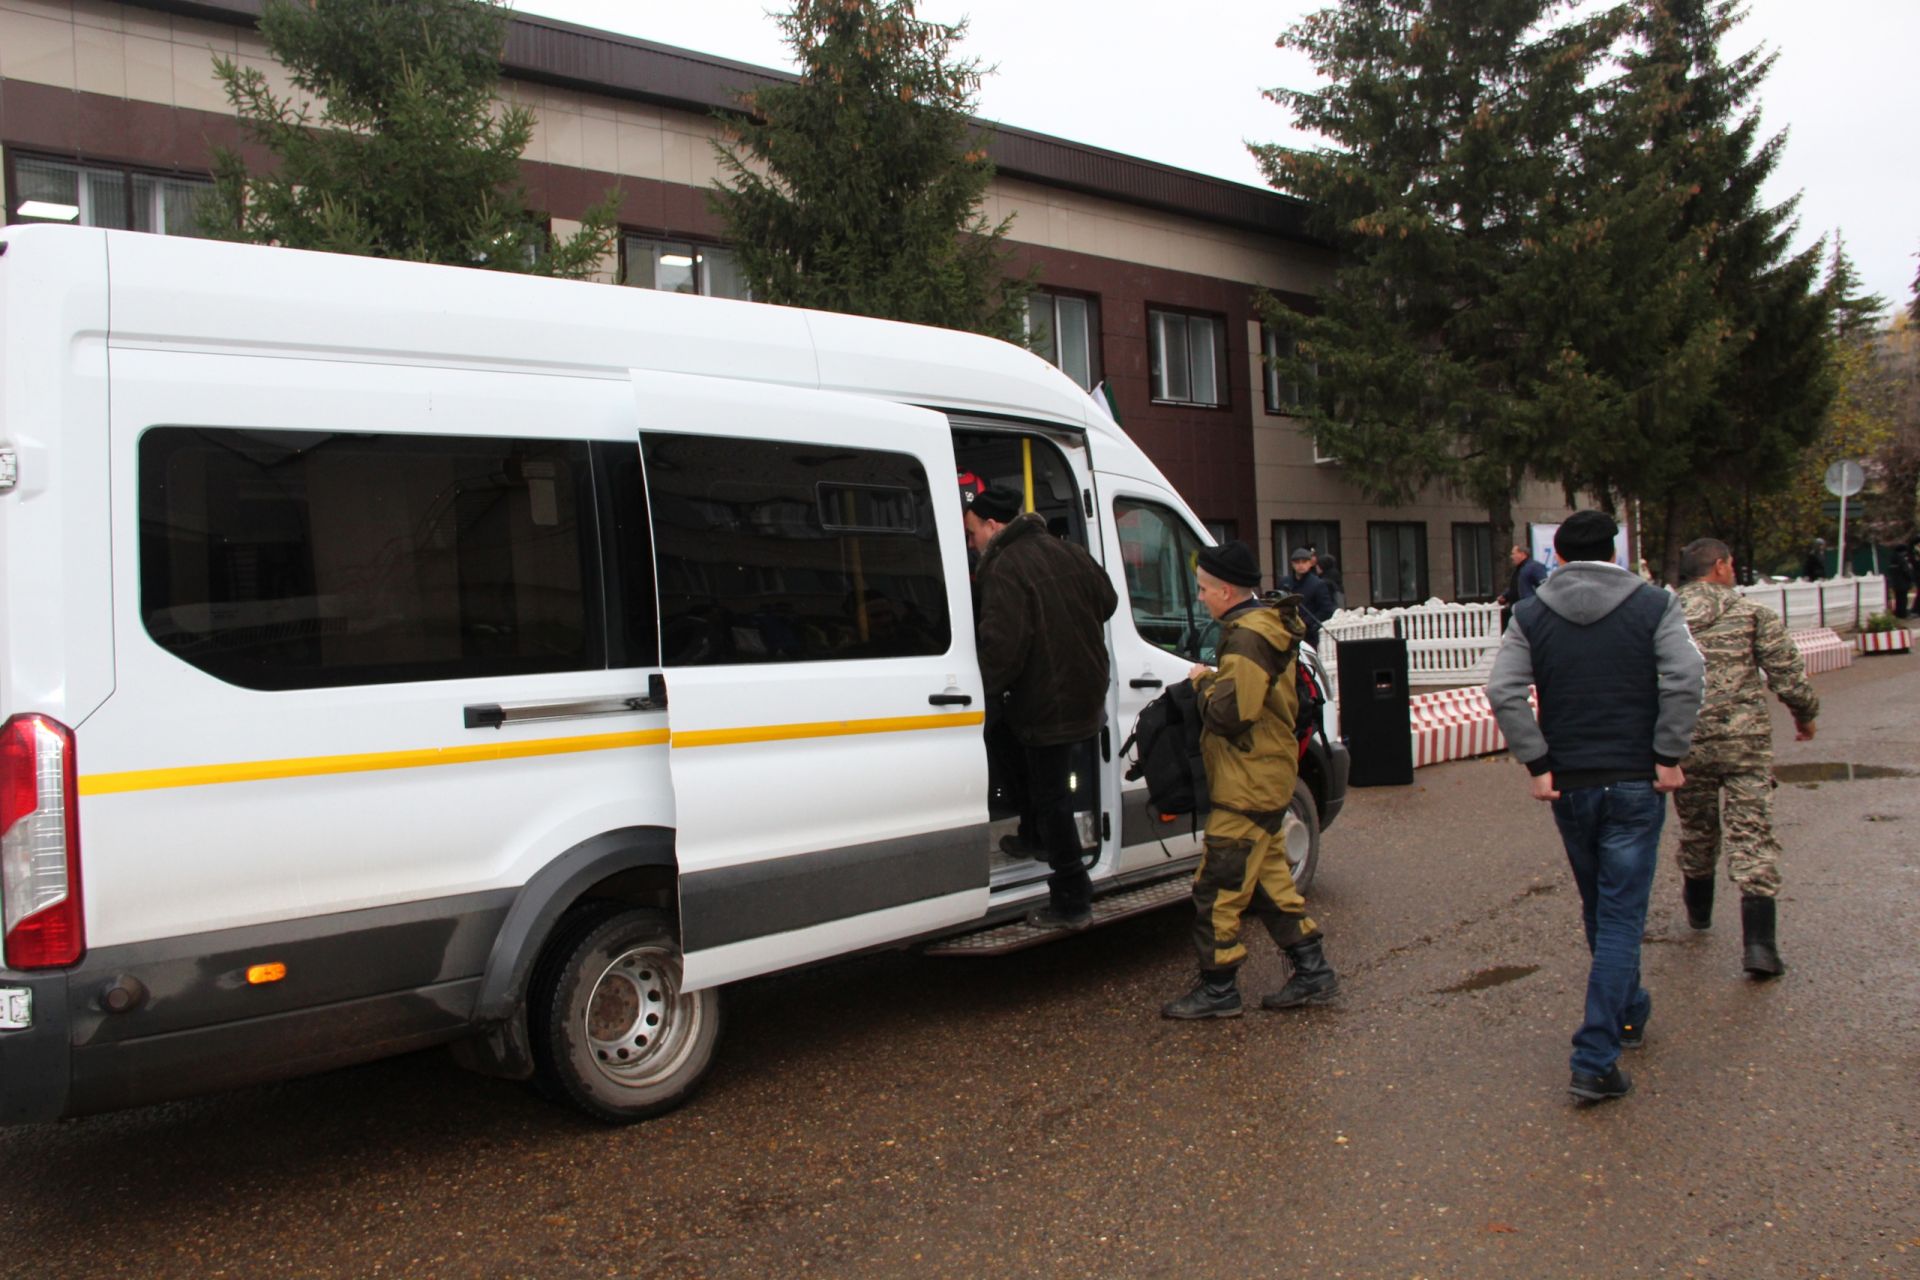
(109, 112)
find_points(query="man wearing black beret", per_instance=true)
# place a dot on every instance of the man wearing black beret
(1043, 655)
(1247, 710)
(1620, 684)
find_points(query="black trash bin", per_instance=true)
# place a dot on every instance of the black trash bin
(1376, 718)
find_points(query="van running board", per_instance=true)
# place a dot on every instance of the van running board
(1017, 934)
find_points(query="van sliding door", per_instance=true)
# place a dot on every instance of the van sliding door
(824, 699)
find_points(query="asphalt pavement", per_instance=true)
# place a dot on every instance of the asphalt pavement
(1032, 1116)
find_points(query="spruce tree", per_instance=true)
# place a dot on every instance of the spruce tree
(1774, 380)
(858, 188)
(407, 157)
(1440, 352)
(1856, 313)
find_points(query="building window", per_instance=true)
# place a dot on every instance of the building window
(1397, 556)
(768, 551)
(679, 266)
(1222, 531)
(306, 560)
(1282, 395)
(90, 195)
(1186, 353)
(1064, 330)
(1473, 562)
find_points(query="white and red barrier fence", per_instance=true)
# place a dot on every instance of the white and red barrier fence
(1822, 650)
(1454, 643)
(1454, 724)
(1458, 724)
(1885, 641)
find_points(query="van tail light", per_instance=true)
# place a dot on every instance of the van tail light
(40, 845)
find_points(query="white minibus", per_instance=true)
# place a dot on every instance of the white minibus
(395, 655)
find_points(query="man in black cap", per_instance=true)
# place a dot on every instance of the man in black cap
(1247, 710)
(1620, 684)
(1316, 597)
(1043, 656)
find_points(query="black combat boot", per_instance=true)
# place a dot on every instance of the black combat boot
(1699, 896)
(1756, 921)
(1313, 980)
(1216, 995)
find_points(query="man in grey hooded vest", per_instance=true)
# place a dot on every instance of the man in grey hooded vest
(1619, 683)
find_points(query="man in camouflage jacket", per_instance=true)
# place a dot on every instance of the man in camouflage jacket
(1247, 710)
(1733, 749)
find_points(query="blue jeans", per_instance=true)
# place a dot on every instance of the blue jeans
(1612, 834)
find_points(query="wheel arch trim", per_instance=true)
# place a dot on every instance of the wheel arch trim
(548, 895)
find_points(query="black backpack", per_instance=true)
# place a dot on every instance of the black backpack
(1168, 735)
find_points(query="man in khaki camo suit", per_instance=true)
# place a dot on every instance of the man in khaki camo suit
(1733, 749)
(1247, 708)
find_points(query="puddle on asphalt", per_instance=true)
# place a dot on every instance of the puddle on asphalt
(1493, 977)
(1805, 775)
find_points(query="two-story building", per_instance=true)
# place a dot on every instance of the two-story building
(109, 112)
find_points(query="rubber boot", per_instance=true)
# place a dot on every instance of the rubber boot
(1699, 895)
(1313, 980)
(1756, 921)
(1216, 995)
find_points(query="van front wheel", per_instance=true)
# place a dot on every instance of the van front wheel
(613, 1033)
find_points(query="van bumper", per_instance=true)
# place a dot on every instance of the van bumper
(36, 1060)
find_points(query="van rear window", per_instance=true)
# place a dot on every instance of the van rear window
(770, 551)
(296, 560)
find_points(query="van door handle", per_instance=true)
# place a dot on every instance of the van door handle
(950, 699)
(1144, 682)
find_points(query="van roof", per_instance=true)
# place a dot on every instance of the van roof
(205, 295)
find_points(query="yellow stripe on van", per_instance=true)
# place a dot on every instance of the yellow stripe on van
(206, 775)
(824, 729)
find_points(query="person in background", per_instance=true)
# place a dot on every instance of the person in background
(1620, 684)
(1900, 568)
(1316, 601)
(1522, 582)
(1329, 570)
(1814, 567)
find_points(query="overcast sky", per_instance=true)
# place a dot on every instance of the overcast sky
(1181, 85)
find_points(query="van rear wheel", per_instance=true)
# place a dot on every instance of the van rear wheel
(613, 1033)
(1300, 834)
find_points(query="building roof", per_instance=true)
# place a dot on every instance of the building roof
(549, 51)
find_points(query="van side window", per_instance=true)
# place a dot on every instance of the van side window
(301, 560)
(1159, 551)
(768, 551)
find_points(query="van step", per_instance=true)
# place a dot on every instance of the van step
(1018, 934)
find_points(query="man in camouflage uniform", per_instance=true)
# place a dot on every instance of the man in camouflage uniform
(1247, 710)
(1733, 749)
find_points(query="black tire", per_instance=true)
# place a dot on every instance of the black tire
(612, 1033)
(1300, 835)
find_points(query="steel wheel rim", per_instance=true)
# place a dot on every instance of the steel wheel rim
(639, 1027)
(1299, 842)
